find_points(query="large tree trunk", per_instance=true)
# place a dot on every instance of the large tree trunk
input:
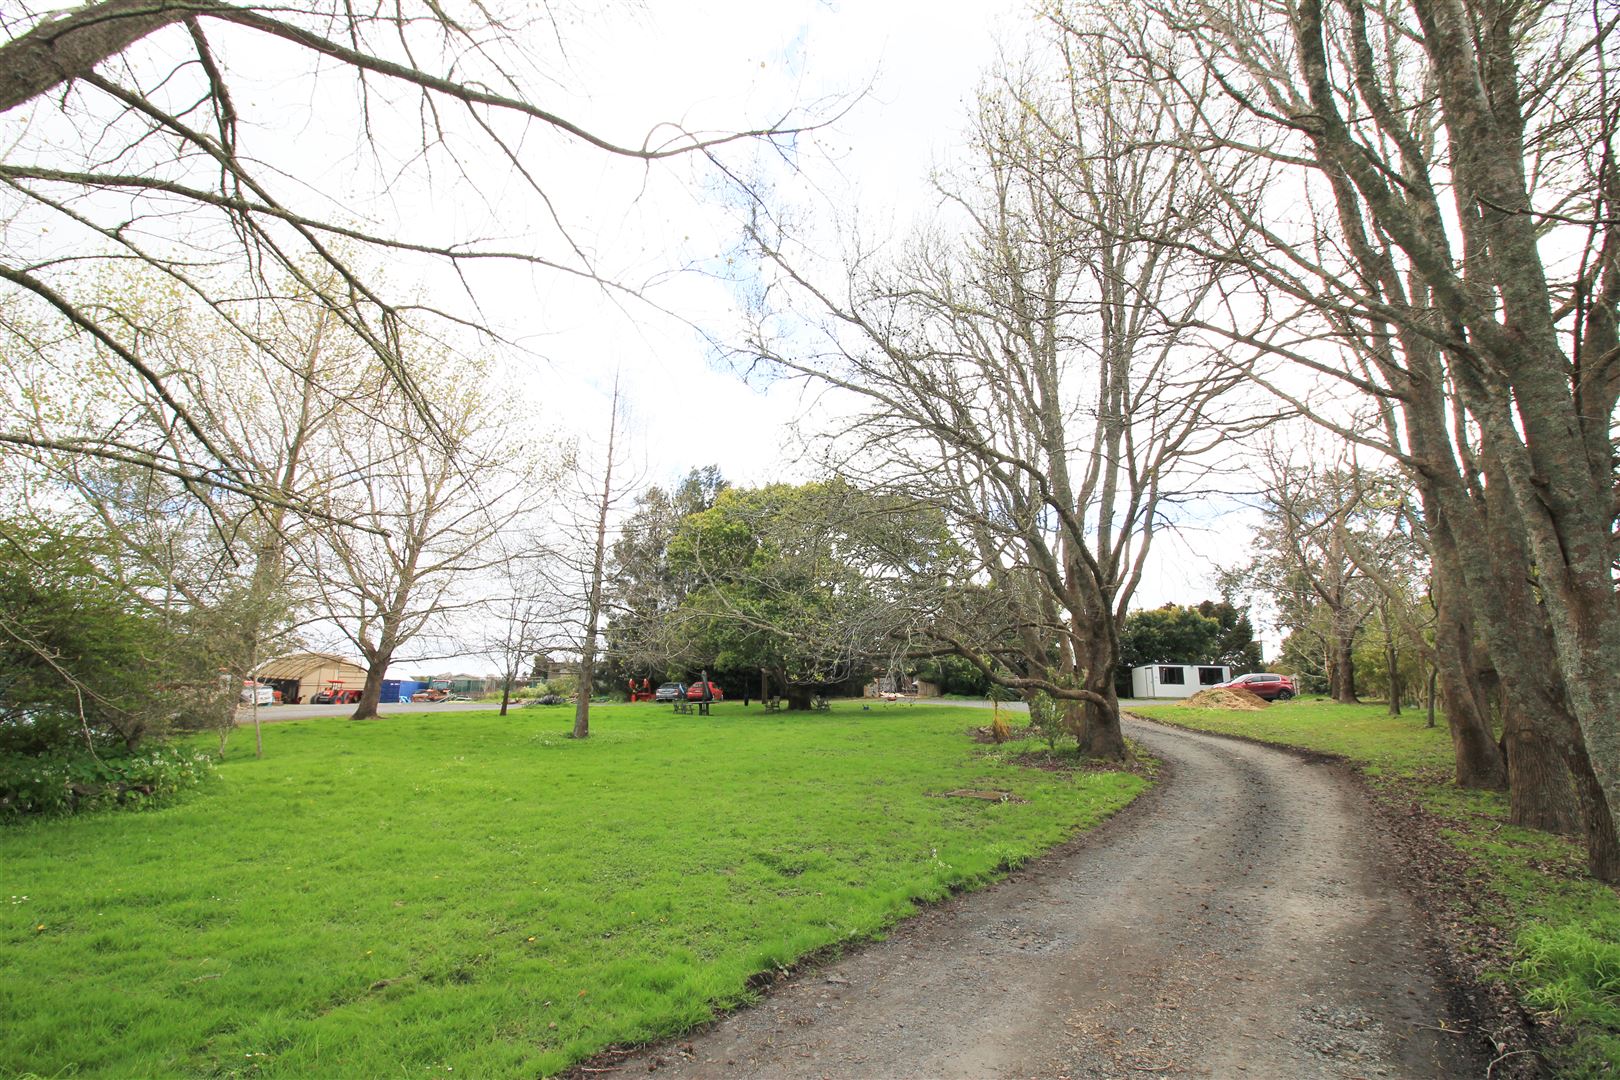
(1494, 561)
(1597, 818)
(371, 693)
(1342, 665)
(1477, 758)
(1452, 521)
(1100, 735)
(1573, 551)
(593, 603)
(1541, 794)
(1392, 664)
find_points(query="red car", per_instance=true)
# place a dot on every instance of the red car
(1263, 684)
(695, 692)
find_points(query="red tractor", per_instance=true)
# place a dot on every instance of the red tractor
(335, 693)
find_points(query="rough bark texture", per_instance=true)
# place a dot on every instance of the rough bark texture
(371, 692)
(1479, 763)
(1103, 737)
(1541, 794)
(1342, 668)
(72, 44)
(1597, 817)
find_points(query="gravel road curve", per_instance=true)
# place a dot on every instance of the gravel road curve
(1241, 920)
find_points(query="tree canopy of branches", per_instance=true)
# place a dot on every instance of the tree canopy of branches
(206, 556)
(431, 509)
(644, 587)
(1334, 546)
(1432, 227)
(1210, 633)
(142, 131)
(805, 584)
(1021, 365)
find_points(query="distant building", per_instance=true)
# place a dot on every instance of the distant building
(899, 682)
(546, 669)
(1176, 680)
(300, 676)
(464, 683)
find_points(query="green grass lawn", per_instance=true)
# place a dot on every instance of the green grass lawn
(1566, 927)
(469, 895)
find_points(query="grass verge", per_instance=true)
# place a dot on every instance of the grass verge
(1560, 930)
(465, 894)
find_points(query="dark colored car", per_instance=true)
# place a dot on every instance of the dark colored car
(670, 691)
(695, 692)
(1263, 684)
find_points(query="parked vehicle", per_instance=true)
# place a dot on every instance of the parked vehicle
(336, 694)
(670, 691)
(431, 694)
(1263, 684)
(266, 695)
(695, 692)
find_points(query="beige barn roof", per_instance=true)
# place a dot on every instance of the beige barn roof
(308, 667)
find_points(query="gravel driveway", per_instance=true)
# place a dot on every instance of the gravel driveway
(1241, 920)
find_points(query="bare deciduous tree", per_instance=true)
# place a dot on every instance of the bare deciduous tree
(1022, 368)
(430, 508)
(591, 571)
(524, 618)
(1450, 214)
(194, 551)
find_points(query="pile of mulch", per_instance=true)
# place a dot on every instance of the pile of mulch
(1239, 700)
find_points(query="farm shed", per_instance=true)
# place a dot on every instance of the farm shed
(1176, 680)
(300, 676)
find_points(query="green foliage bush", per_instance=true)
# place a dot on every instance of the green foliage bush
(68, 780)
(954, 676)
(1046, 717)
(81, 653)
(1573, 970)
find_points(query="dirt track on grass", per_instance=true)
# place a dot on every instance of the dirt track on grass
(1241, 920)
